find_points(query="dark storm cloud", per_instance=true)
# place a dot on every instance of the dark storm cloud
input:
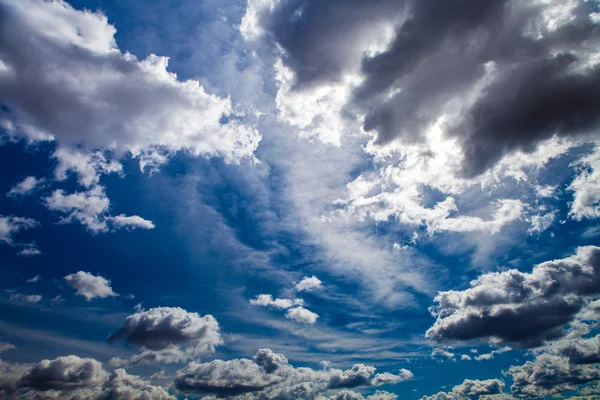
(539, 82)
(523, 308)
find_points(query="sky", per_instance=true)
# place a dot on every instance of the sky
(299, 199)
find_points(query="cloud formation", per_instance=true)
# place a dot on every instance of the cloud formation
(25, 187)
(90, 286)
(472, 389)
(266, 300)
(269, 375)
(12, 225)
(516, 307)
(168, 334)
(308, 284)
(80, 89)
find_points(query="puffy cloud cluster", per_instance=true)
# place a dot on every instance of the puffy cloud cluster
(90, 286)
(63, 77)
(473, 389)
(269, 375)
(90, 208)
(522, 308)
(73, 377)
(266, 300)
(168, 334)
(586, 188)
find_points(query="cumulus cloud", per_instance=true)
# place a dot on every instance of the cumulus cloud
(309, 284)
(131, 222)
(25, 187)
(492, 354)
(169, 334)
(302, 315)
(487, 69)
(352, 395)
(586, 188)
(90, 286)
(91, 208)
(471, 389)
(517, 307)
(5, 346)
(266, 300)
(63, 77)
(87, 166)
(30, 251)
(441, 353)
(12, 225)
(73, 377)
(269, 375)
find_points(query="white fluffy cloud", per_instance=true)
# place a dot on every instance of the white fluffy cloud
(302, 315)
(586, 188)
(91, 209)
(266, 300)
(472, 389)
(308, 284)
(169, 334)
(79, 88)
(25, 187)
(90, 286)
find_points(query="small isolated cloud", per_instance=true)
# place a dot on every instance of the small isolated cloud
(168, 334)
(34, 279)
(5, 346)
(308, 284)
(131, 222)
(441, 353)
(517, 307)
(12, 225)
(29, 299)
(490, 355)
(302, 315)
(25, 187)
(30, 251)
(90, 286)
(266, 300)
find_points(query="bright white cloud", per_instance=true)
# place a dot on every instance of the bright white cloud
(308, 284)
(90, 286)
(302, 315)
(25, 187)
(266, 300)
(131, 222)
(586, 188)
(87, 166)
(99, 97)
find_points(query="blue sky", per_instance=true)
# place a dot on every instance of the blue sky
(394, 178)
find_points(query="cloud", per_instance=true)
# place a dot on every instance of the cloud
(74, 377)
(131, 222)
(441, 353)
(471, 389)
(64, 373)
(98, 97)
(269, 375)
(25, 187)
(351, 395)
(522, 308)
(308, 284)
(502, 76)
(30, 252)
(586, 188)
(491, 354)
(91, 208)
(34, 279)
(12, 225)
(87, 166)
(168, 334)
(20, 298)
(302, 315)
(266, 300)
(90, 286)
(5, 346)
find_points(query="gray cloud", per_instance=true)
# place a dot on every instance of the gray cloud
(505, 73)
(270, 376)
(169, 334)
(67, 372)
(472, 389)
(516, 307)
